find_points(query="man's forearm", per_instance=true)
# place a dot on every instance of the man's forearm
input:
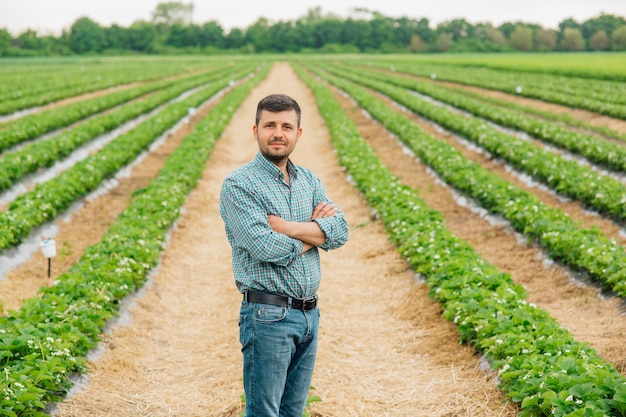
(307, 232)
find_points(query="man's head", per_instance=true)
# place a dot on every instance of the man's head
(275, 103)
(277, 128)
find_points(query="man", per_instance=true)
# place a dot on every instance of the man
(277, 216)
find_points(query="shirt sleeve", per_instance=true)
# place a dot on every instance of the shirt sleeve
(247, 224)
(335, 228)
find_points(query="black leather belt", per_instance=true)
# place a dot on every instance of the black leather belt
(304, 304)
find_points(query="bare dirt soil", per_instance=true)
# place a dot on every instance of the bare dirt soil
(384, 348)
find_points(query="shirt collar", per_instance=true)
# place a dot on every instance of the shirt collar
(273, 170)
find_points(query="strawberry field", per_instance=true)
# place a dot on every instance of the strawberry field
(486, 200)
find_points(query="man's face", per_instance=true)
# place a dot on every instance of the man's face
(277, 134)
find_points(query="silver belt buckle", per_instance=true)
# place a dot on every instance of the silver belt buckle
(309, 303)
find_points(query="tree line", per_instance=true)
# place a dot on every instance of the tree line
(171, 31)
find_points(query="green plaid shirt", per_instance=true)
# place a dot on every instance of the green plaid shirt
(263, 259)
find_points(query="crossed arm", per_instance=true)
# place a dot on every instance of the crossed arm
(308, 232)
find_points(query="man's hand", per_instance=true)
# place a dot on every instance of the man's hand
(324, 210)
(308, 232)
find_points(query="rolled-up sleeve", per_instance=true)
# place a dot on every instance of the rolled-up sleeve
(336, 230)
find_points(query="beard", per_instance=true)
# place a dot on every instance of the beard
(275, 155)
(274, 158)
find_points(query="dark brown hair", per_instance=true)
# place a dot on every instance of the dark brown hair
(276, 103)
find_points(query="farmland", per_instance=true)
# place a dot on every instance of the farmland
(485, 273)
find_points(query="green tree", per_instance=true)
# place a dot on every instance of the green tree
(52, 45)
(87, 36)
(30, 40)
(283, 38)
(425, 32)
(619, 38)
(495, 35)
(184, 36)
(162, 32)
(5, 42)
(417, 44)
(605, 22)
(404, 30)
(507, 29)
(457, 28)
(235, 39)
(572, 40)
(545, 39)
(305, 31)
(173, 12)
(141, 36)
(258, 35)
(444, 42)
(116, 37)
(356, 32)
(64, 42)
(326, 31)
(382, 32)
(569, 24)
(599, 41)
(522, 39)
(212, 34)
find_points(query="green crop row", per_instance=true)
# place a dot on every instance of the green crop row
(582, 249)
(15, 165)
(540, 365)
(603, 152)
(543, 87)
(603, 193)
(28, 83)
(588, 65)
(564, 119)
(45, 341)
(33, 125)
(48, 199)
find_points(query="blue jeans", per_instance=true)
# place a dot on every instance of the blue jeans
(279, 346)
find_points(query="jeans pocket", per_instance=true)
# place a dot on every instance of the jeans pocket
(266, 313)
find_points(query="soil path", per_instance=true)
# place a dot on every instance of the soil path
(384, 348)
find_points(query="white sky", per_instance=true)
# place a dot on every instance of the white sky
(51, 16)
